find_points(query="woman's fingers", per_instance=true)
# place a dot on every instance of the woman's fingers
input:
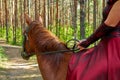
(78, 45)
(81, 48)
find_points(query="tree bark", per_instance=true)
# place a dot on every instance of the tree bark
(82, 18)
(6, 20)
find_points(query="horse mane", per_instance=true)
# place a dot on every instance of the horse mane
(45, 41)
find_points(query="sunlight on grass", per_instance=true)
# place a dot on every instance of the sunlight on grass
(20, 65)
(13, 67)
(28, 76)
(3, 58)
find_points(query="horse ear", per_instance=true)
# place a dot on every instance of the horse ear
(40, 19)
(28, 19)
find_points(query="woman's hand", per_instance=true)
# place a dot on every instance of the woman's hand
(78, 45)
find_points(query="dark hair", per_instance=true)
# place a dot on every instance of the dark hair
(111, 2)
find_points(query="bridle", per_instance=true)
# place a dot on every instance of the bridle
(24, 53)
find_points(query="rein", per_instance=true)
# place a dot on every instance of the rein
(72, 49)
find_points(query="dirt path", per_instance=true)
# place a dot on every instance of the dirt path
(15, 68)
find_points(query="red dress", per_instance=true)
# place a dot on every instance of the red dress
(101, 62)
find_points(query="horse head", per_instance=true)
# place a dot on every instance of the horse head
(28, 45)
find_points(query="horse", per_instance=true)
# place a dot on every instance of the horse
(37, 41)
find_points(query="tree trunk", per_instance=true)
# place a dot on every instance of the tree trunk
(94, 14)
(82, 18)
(75, 18)
(48, 11)
(36, 13)
(56, 19)
(88, 12)
(44, 12)
(21, 16)
(6, 20)
(1, 13)
(24, 12)
(16, 22)
(104, 3)
(29, 1)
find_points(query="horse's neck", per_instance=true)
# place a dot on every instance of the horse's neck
(56, 72)
(52, 67)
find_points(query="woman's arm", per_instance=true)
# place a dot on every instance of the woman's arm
(114, 15)
(105, 28)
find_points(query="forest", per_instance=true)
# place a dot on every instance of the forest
(67, 19)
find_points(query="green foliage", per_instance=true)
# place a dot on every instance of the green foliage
(2, 54)
(2, 32)
(10, 35)
(88, 30)
(65, 33)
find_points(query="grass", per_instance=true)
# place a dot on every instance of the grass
(3, 57)
(2, 54)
